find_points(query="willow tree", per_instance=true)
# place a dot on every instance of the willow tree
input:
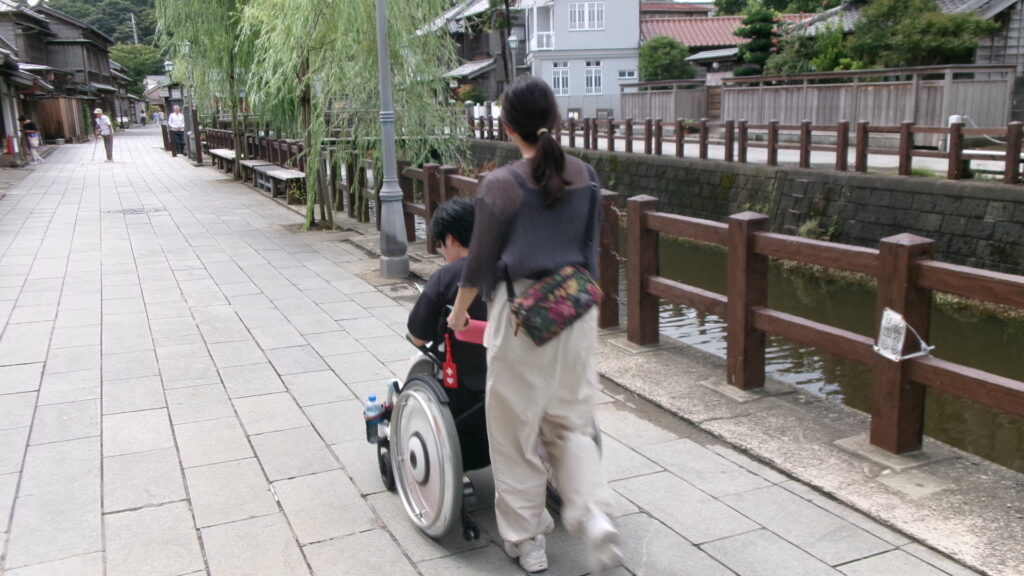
(314, 70)
(204, 40)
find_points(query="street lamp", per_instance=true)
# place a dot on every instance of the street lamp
(513, 43)
(394, 262)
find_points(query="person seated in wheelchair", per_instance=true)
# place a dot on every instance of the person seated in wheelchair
(452, 228)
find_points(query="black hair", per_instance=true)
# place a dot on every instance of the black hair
(530, 110)
(454, 217)
(22, 118)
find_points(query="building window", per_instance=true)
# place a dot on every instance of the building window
(627, 75)
(574, 113)
(560, 78)
(586, 16)
(594, 78)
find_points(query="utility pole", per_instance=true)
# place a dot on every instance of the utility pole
(135, 31)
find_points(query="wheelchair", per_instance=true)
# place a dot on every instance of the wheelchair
(427, 438)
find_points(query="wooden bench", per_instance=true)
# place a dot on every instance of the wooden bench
(223, 158)
(271, 179)
(248, 168)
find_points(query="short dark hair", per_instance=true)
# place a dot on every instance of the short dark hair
(22, 118)
(454, 217)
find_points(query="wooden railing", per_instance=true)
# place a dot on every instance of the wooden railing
(738, 138)
(906, 277)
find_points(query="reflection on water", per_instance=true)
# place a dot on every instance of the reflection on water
(986, 343)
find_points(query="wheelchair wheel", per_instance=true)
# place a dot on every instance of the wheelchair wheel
(554, 497)
(426, 459)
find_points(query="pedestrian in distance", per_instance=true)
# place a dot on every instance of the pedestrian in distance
(31, 132)
(105, 129)
(176, 124)
(535, 217)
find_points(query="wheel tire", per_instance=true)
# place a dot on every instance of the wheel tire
(554, 497)
(387, 473)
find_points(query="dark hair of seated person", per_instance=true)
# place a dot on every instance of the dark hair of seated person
(454, 217)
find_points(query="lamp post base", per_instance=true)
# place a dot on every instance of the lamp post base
(394, 267)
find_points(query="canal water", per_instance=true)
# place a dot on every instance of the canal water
(979, 341)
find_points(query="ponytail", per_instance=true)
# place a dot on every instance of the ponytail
(549, 166)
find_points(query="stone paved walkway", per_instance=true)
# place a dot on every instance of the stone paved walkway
(179, 395)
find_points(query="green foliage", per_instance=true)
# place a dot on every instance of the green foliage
(759, 27)
(140, 60)
(664, 58)
(801, 54)
(726, 7)
(113, 17)
(895, 33)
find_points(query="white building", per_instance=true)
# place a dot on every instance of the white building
(584, 50)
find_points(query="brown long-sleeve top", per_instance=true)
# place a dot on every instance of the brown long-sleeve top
(515, 235)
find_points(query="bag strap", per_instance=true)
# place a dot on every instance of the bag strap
(448, 348)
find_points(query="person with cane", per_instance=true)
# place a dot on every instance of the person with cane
(106, 130)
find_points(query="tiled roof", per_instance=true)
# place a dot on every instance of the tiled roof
(849, 13)
(674, 7)
(702, 32)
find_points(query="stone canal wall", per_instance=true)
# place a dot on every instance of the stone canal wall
(978, 224)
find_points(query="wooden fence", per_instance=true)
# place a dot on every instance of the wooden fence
(688, 99)
(906, 277)
(738, 138)
(926, 95)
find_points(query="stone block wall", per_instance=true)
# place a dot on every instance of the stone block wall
(978, 224)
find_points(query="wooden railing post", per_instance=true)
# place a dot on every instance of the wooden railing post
(408, 186)
(773, 143)
(483, 128)
(490, 127)
(445, 193)
(704, 138)
(842, 145)
(558, 132)
(642, 262)
(906, 148)
(648, 136)
(350, 178)
(572, 132)
(805, 144)
(743, 138)
(611, 135)
(199, 142)
(431, 200)
(730, 137)
(659, 133)
(897, 412)
(746, 288)
(608, 263)
(629, 135)
(588, 125)
(595, 133)
(680, 138)
(860, 157)
(955, 149)
(1011, 172)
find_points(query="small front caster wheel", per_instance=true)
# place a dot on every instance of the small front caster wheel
(387, 474)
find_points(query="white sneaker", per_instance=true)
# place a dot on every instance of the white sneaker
(602, 541)
(530, 553)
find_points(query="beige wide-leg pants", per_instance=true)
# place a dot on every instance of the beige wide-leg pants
(546, 393)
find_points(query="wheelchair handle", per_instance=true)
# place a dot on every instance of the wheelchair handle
(474, 333)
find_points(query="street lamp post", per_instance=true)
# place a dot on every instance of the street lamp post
(394, 262)
(513, 43)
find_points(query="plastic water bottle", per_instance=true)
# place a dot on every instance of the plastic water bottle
(372, 413)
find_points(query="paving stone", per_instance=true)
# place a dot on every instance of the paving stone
(334, 343)
(296, 360)
(313, 323)
(134, 394)
(291, 453)
(38, 313)
(257, 547)
(269, 413)
(218, 332)
(78, 316)
(242, 353)
(324, 506)
(68, 421)
(21, 378)
(75, 336)
(345, 310)
(630, 428)
(173, 327)
(390, 348)
(351, 555)
(352, 286)
(198, 403)
(317, 388)
(188, 373)
(211, 441)
(703, 468)
(894, 563)
(748, 463)
(358, 367)
(416, 544)
(649, 548)
(141, 479)
(25, 343)
(50, 527)
(277, 336)
(338, 421)
(229, 491)
(844, 512)
(85, 565)
(762, 553)
(690, 512)
(251, 380)
(933, 558)
(325, 295)
(488, 560)
(136, 432)
(73, 359)
(16, 410)
(129, 365)
(12, 449)
(8, 488)
(359, 461)
(362, 328)
(619, 461)
(825, 535)
(158, 541)
(70, 387)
